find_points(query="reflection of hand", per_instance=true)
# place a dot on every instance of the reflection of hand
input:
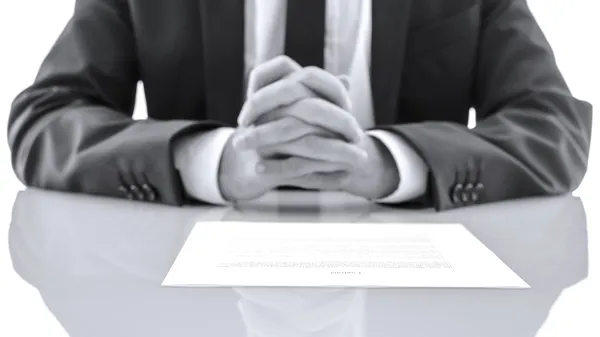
(286, 127)
(303, 312)
(291, 206)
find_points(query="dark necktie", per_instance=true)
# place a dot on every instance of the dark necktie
(305, 44)
(305, 32)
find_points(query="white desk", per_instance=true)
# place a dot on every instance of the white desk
(98, 264)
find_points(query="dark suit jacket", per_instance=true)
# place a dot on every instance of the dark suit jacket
(431, 62)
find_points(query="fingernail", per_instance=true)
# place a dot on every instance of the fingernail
(260, 168)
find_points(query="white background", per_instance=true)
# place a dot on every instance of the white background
(28, 28)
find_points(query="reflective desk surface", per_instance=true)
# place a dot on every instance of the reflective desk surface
(98, 264)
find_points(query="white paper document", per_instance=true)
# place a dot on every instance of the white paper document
(337, 255)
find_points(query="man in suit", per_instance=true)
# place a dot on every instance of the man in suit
(372, 97)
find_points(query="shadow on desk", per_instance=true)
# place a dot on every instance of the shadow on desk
(98, 264)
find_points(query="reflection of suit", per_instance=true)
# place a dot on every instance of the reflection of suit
(431, 62)
(98, 265)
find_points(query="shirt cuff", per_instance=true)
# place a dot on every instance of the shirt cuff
(411, 167)
(197, 158)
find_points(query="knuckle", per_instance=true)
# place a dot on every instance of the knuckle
(297, 75)
(310, 73)
(260, 69)
(311, 69)
(315, 72)
(284, 60)
(257, 70)
(279, 62)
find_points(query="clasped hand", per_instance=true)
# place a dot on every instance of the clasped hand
(296, 129)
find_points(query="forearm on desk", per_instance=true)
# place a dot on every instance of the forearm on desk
(532, 136)
(72, 129)
(197, 157)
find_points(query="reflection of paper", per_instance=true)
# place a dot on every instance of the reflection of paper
(339, 255)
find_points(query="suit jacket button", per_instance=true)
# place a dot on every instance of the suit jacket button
(476, 192)
(467, 194)
(137, 192)
(125, 192)
(150, 194)
(457, 194)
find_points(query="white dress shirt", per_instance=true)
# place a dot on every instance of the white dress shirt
(347, 52)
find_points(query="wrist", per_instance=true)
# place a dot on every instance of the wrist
(224, 180)
(388, 175)
(197, 158)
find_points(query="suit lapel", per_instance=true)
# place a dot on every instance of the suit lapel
(223, 43)
(390, 27)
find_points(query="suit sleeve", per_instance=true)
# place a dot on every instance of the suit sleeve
(72, 130)
(532, 136)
